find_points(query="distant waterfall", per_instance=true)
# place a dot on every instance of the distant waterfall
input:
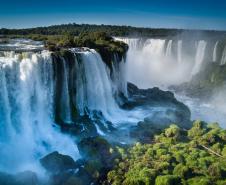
(27, 111)
(118, 77)
(215, 51)
(223, 59)
(200, 52)
(169, 49)
(164, 62)
(179, 51)
(156, 62)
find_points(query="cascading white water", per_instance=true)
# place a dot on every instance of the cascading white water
(119, 76)
(215, 51)
(65, 100)
(26, 112)
(169, 49)
(144, 71)
(95, 91)
(162, 62)
(223, 58)
(200, 53)
(179, 51)
(154, 62)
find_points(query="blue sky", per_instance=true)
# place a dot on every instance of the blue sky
(193, 14)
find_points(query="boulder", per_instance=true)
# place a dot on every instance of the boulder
(55, 162)
(98, 149)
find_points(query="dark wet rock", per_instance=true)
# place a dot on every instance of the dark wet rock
(7, 179)
(164, 118)
(152, 96)
(82, 128)
(165, 110)
(27, 178)
(96, 148)
(144, 132)
(171, 110)
(61, 177)
(154, 124)
(87, 172)
(100, 156)
(22, 178)
(74, 181)
(65, 171)
(55, 163)
(81, 177)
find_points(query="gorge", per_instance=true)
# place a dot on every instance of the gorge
(169, 62)
(69, 99)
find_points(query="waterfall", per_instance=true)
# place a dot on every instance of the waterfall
(169, 49)
(164, 62)
(200, 53)
(119, 77)
(223, 58)
(65, 100)
(27, 130)
(134, 43)
(155, 62)
(215, 52)
(95, 91)
(179, 51)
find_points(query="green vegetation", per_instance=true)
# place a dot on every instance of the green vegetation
(103, 43)
(176, 156)
(112, 30)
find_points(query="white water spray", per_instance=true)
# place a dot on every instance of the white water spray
(26, 112)
(215, 51)
(223, 59)
(200, 53)
(95, 91)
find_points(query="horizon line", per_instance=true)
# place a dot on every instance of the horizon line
(119, 25)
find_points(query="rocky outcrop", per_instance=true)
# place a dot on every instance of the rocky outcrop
(96, 148)
(55, 162)
(174, 111)
(166, 110)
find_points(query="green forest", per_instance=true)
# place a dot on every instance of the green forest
(113, 30)
(176, 156)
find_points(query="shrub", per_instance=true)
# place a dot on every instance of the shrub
(182, 171)
(168, 180)
(199, 181)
